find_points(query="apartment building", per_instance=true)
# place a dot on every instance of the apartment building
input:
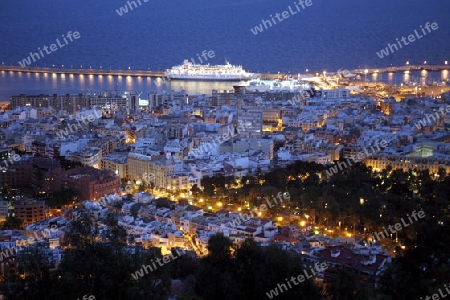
(30, 210)
(150, 169)
(381, 161)
(90, 183)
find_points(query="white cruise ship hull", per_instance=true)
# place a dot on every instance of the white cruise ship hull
(189, 71)
(208, 77)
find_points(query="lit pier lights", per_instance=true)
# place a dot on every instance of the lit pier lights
(407, 62)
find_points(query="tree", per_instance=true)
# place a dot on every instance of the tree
(134, 209)
(12, 223)
(214, 271)
(195, 190)
(116, 234)
(35, 278)
(104, 271)
(423, 267)
(346, 286)
(183, 266)
(249, 271)
(64, 197)
(68, 164)
(79, 233)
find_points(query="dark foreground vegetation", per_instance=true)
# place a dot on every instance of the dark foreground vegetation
(101, 264)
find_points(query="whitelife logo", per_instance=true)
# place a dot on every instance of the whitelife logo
(274, 292)
(70, 127)
(35, 56)
(124, 9)
(411, 38)
(356, 158)
(304, 95)
(285, 14)
(377, 236)
(210, 53)
(218, 140)
(165, 260)
(46, 233)
(438, 296)
(425, 121)
(245, 217)
(86, 297)
(10, 161)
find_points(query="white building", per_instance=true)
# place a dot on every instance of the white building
(89, 157)
(335, 93)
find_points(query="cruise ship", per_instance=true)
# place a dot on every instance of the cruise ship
(190, 71)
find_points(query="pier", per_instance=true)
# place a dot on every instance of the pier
(149, 73)
(68, 71)
(401, 69)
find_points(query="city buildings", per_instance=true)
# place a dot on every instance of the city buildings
(171, 140)
(30, 210)
(90, 183)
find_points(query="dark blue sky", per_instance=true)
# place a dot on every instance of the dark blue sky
(158, 34)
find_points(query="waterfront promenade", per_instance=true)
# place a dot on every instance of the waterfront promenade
(401, 69)
(149, 73)
(68, 71)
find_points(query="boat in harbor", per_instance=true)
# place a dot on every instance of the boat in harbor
(190, 71)
(262, 85)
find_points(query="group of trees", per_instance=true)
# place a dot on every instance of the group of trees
(356, 197)
(249, 272)
(95, 263)
(359, 199)
(98, 262)
(104, 269)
